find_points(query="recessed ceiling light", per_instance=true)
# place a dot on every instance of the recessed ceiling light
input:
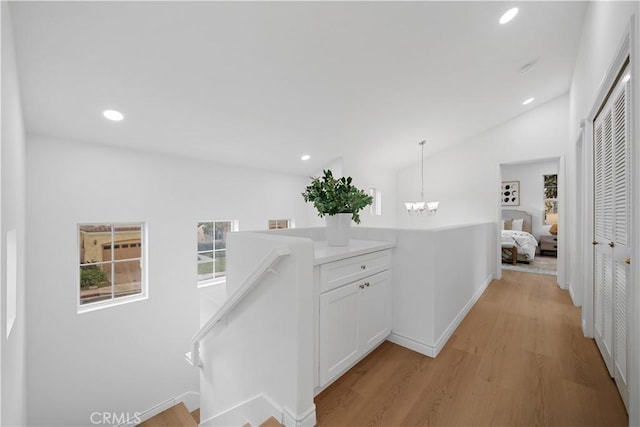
(114, 115)
(305, 157)
(626, 78)
(527, 101)
(509, 15)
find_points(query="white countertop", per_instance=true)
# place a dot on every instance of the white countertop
(324, 253)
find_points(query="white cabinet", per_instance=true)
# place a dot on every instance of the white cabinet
(374, 312)
(339, 346)
(354, 317)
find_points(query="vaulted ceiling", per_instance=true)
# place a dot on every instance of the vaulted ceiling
(262, 83)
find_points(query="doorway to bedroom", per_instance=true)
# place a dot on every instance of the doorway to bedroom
(529, 216)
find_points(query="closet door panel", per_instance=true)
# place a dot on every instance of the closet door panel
(620, 337)
(622, 230)
(612, 232)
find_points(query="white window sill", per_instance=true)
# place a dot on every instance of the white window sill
(209, 283)
(86, 308)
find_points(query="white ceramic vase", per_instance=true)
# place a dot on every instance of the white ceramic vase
(338, 229)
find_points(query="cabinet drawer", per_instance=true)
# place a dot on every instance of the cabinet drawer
(338, 273)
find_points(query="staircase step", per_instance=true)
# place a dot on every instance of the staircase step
(177, 415)
(271, 422)
(196, 415)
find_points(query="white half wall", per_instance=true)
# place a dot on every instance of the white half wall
(265, 346)
(13, 396)
(439, 274)
(127, 358)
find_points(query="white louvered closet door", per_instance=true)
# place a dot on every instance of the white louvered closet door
(612, 211)
(603, 284)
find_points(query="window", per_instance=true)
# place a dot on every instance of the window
(212, 250)
(375, 208)
(111, 263)
(279, 224)
(551, 198)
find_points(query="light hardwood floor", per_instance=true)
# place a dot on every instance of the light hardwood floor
(518, 359)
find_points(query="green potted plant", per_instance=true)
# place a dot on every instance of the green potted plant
(340, 201)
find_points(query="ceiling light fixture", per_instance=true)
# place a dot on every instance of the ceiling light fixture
(305, 157)
(527, 101)
(113, 115)
(509, 15)
(418, 208)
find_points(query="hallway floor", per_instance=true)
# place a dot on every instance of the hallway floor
(541, 264)
(518, 359)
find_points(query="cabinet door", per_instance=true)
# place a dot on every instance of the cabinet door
(338, 331)
(374, 310)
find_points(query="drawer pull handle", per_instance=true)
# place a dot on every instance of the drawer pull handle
(627, 260)
(611, 244)
(595, 242)
(363, 267)
(366, 284)
(361, 286)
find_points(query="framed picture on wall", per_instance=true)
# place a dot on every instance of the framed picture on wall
(510, 193)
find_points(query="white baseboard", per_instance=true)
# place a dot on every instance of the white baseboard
(440, 343)
(412, 344)
(307, 419)
(573, 297)
(258, 409)
(433, 350)
(191, 400)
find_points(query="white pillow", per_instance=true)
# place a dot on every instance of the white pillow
(516, 225)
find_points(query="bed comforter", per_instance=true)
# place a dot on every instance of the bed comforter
(524, 241)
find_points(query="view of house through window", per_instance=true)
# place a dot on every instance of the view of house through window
(111, 261)
(550, 198)
(212, 250)
(277, 224)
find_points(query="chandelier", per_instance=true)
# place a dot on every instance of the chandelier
(418, 208)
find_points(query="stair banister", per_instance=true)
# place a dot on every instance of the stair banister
(266, 265)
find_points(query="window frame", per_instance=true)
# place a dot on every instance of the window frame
(553, 201)
(277, 222)
(215, 280)
(144, 259)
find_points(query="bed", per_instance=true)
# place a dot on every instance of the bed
(517, 245)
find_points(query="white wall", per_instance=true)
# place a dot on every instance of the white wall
(531, 180)
(366, 176)
(12, 215)
(131, 357)
(466, 178)
(605, 25)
